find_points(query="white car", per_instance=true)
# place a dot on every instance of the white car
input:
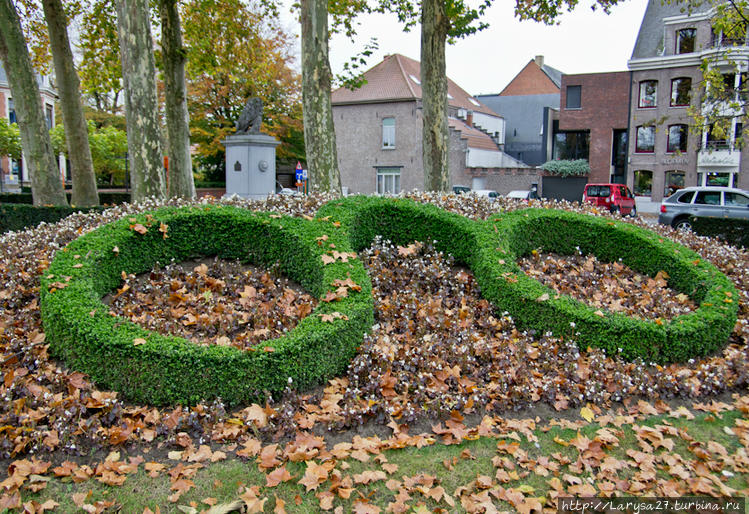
(488, 193)
(519, 195)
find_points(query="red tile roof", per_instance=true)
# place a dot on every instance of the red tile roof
(397, 78)
(476, 138)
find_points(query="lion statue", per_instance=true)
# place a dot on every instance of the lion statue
(251, 118)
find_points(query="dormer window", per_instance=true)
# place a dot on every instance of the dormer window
(685, 40)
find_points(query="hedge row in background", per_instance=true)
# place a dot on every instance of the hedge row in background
(105, 197)
(732, 231)
(146, 366)
(149, 367)
(20, 216)
(533, 305)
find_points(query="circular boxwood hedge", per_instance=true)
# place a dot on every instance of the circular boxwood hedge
(157, 369)
(491, 249)
(536, 306)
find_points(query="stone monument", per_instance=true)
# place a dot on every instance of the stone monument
(250, 156)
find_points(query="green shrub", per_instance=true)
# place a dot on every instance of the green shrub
(567, 168)
(171, 370)
(733, 231)
(167, 369)
(533, 305)
(16, 198)
(203, 184)
(18, 216)
(113, 197)
(105, 197)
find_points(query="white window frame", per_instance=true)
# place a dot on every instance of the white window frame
(388, 181)
(388, 133)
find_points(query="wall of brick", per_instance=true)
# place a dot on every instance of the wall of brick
(530, 81)
(359, 142)
(663, 115)
(604, 98)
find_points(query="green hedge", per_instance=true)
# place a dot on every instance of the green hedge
(491, 250)
(732, 231)
(171, 370)
(20, 216)
(168, 370)
(692, 335)
(105, 197)
(209, 185)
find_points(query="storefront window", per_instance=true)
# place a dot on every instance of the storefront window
(674, 182)
(643, 182)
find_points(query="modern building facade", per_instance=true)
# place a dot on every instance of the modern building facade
(592, 123)
(13, 171)
(667, 149)
(527, 104)
(379, 132)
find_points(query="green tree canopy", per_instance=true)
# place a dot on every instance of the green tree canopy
(234, 53)
(10, 139)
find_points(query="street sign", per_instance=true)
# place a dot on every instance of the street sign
(299, 172)
(304, 174)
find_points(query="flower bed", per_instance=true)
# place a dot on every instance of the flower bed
(317, 253)
(158, 369)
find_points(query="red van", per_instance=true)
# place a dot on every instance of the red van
(614, 197)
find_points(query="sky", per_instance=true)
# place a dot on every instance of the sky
(583, 42)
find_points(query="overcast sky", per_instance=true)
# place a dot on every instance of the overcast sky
(583, 42)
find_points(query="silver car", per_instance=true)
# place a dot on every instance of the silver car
(712, 202)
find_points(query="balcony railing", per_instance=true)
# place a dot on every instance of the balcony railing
(720, 41)
(718, 144)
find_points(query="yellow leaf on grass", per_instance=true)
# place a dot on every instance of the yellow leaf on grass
(587, 414)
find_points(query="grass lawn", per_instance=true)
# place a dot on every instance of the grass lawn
(511, 470)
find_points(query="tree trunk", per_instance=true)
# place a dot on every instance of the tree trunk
(141, 105)
(319, 133)
(181, 183)
(434, 28)
(76, 129)
(46, 182)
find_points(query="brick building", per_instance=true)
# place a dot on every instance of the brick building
(667, 151)
(527, 104)
(379, 133)
(592, 123)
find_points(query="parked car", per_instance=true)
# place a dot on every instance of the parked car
(520, 195)
(459, 190)
(614, 197)
(713, 202)
(489, 193)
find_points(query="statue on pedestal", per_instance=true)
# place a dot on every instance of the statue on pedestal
(251, 118)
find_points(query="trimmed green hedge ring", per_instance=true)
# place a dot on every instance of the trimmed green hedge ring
(534, 305)
(167, 369)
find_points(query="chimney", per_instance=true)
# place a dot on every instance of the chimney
(539, 60)
(469, 119)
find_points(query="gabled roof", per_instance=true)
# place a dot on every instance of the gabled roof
(398, 78)
(554, 74)
(475, 137)
(649, 42)
(534, 79)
